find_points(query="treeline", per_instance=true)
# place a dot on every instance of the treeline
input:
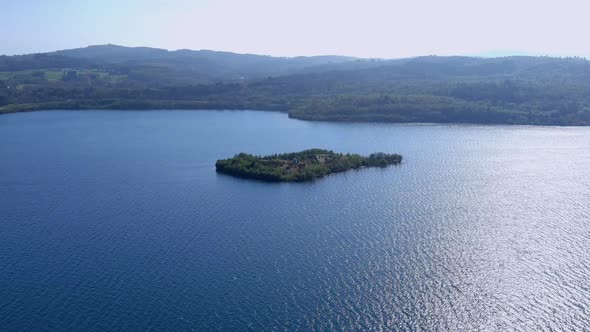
(442, 109)
(514, 90)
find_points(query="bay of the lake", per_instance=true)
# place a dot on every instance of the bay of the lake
(117, 220)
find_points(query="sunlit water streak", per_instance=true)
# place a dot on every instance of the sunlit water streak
(117, 220)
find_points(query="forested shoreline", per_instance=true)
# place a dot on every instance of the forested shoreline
(511, 90)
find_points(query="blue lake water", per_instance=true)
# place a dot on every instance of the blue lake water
(113, 220)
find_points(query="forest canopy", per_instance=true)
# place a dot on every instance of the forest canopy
(509, 90)
(306, 165)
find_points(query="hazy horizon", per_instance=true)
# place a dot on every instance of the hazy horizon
(375, 29)
(489, 54)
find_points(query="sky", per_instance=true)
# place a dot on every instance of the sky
(368, 28)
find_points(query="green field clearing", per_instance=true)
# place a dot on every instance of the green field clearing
(53, 75)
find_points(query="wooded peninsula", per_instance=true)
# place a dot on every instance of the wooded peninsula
(306, 165)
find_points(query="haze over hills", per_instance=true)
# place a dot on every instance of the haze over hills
(213, 165)
(509, 90)
(174, 67)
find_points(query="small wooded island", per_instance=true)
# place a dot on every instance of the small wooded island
(306, 165)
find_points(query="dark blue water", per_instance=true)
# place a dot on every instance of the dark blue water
(117, 220)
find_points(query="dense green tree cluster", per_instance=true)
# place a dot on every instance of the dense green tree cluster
(511, 90)
(300, 166)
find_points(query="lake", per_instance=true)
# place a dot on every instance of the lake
(113, 220)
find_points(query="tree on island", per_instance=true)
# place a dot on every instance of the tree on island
(301, 166)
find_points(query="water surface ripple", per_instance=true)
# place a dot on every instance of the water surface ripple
(113, 220)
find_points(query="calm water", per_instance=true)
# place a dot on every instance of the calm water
(117, 220)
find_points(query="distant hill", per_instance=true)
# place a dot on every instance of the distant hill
(173, 67)
(505, 90)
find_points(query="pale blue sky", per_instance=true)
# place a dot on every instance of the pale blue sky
(369, 28)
